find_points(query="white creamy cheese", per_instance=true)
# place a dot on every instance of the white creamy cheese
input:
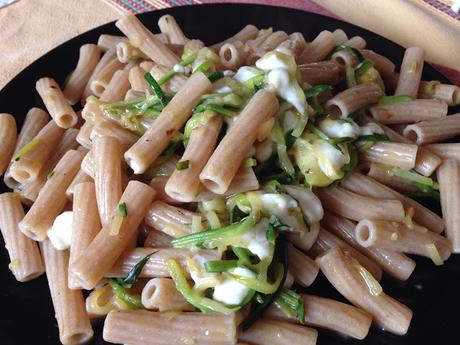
(179, 68)
(60, 234)
(223, 89)
(289, 121)
(257, 241)
(330, 158)
(230, 292)
(339, 128)
(245, 73)
(371, 128)
(228, 73)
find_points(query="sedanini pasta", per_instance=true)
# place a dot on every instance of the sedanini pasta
(201, 189)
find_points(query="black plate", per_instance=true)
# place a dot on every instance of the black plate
(431, 292)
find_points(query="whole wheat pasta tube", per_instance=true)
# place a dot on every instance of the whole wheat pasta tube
(87, 165)
(173, 85)
(161, 294)
(446, 151)
(244, 35)
(8, 133)
(184, 185)
(327, 241)
(109, 243)
(293, 46)
(30, 164)
(69, 306)
(56, 103)
(25, 259)
(330, 314)
(172, 118)
(85, 225)
(159, 183)
(274, 332)
(172, 220)
(109, 56)
(107, 176)
(229, 154)
(140, 37)
(137, 80)
(126, 53)
(52, 198)
(157, 239)
(35, 120)
(118, 85)
(382, 64)
(80, 177)
(388, 313)
(154, 328)
(385, 175)
(110, 129)
(232, 55)
(449, 184)
(354, 98)
(319, 48)
(147, 65)
(356, 42)
(395, 264)
(245, 180)
(411, 72)
(302, 267)
(102, 78)
(79, 77)
(169, 26)
(30, 190)
(365, 185)
(156, 265)
(83, 137)
(356, 207)
(450, 94)
(323, 72)
(105, 42)
(400, 238)
(345, 58)
(340, 36)
(427, 132)
(269, 44)
(395, 154)
(408, 112)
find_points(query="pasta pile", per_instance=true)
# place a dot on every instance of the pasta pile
(200, 188)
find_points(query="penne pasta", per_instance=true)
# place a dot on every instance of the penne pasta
(383, 65)
(244, 35)
(411, 72)
(127, 53)
(384, 174)
(395, 154)
(107, 128)
(157, 239)
(450, 94)
(340, 36)
(430, 131)
(25, 259)
(105, 42)
(80, 177)
(83, 137)
(319, 48)
(356, 42)
(446, 151)
(161, 294)
(118, 85)
(137, 80)
(232, 55)
(169, 26)
(302, 267)
(8, 133)
(409, 112)
(173, 85)
(109, 56)
(104, 75)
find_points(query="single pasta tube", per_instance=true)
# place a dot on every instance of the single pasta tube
(35, 120)
(327, 241)
(161, 294)
(345, 57)
(270, 43)
(172, 118)
(156, 265)
(69, 307)
(340, 37)
(356, 42)
(87, 165)
(382, 64)
(446, 151)
(102, 78)
(107, 157)
(330, 314)
(52, 198)
(169, 26)
(411, 72)
(184, 185)
(172, 220)
(8, 133)
(83, 137)
(449, 184)
(105, 42)
(323, 72)
(118, 85)
(89, 57)
(27, 166)
(86, 223)
(367, 186)
(401, 238)
(174, 84)
(319, 48)
(409, 112)
(56, 103)
(91, 266)
(25, 259)
(431, 131)
(109, 56)
(293, 46)
(274, 332)
(302, 267)
(395, 154)
(126, 53)
(157, 239)
(357, 286)
(223, 164)
(354, 98)
(30, 190)
(137, 80)
(449, 94)
(356, 207)
(244, 35)
(80, 177)
(140, 37)
(393, 263)
(385, 175)
(110, 129)
(159, 183)
(232, 55)
(154, 328)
